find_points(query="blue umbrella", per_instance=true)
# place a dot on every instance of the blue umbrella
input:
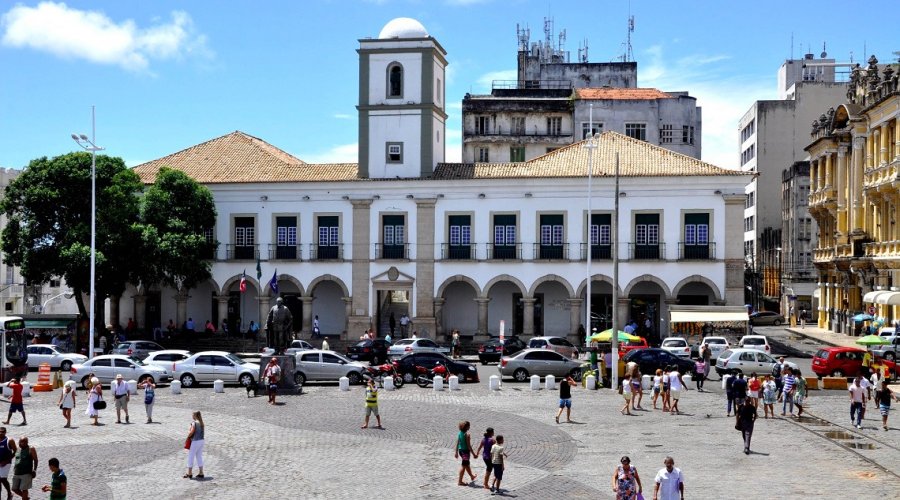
(862, 317)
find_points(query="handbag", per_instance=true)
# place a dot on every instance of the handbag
(100, 405)
(187, 443)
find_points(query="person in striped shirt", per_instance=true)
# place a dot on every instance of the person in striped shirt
(787, 393)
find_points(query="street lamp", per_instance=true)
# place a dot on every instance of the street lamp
(590, 145)
(91, 145)
(68, 294)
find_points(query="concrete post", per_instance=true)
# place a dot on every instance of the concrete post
(348, 305)
(575, 317)
(222, 307)
(624, 312)
(482, 314)
(306, 326)
(181, 307)
(528, 316)
(114, 309)
(424, 254)
(140, 311)
(358, 319)
(438, 317)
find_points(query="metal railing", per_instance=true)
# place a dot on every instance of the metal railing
(285, 252)
(598, 252)
(392, 252)
(647, 252)
(458, 252)
(326, 252)
(241, 252)
(696, 251)
(504, 252)
(551, 252)
(531, 84)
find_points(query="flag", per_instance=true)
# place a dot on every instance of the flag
(244, 281)
(273, 283)
(258, 269)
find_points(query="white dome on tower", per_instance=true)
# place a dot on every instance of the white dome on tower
(403, 27)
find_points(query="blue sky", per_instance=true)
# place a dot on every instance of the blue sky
(166, 75)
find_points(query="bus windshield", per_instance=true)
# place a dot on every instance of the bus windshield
(16, 341)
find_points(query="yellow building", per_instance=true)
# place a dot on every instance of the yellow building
(854, 197)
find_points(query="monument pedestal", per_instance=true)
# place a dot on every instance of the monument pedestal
(286, 385)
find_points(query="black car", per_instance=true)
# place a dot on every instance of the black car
(489, 352)
(408, 363)
(373, 351)
(653, 358)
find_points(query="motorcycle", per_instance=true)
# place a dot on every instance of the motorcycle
(378, 372)
(425, 377)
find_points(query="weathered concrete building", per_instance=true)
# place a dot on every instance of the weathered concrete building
(798, 239)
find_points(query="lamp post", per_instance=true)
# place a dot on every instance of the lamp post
(590, 145)
(68, 294)
(91, 145)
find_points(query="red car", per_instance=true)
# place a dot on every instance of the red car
(845, 362)
(626, 347)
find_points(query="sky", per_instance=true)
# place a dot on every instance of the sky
(166, 75)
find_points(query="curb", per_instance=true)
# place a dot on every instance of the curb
(810, 336)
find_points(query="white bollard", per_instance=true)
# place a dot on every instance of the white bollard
(494, 383)
(725, 380)
(7, 392)
(535, 383)
(388, 383)
(591, 382)
(175, 386)
(646, 382)
(688, 378)
(454, 383)
(344, 383)
(26, 389)
(550, 382)
(438, 383)
(219, 386)
(132, 387)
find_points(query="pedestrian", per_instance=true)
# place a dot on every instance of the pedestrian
(626, 482)
(669, 482)
(392, 323)
(372, 404)
(753, 386)
(883, 398)
(706, 356)
(867, 389)
(857, 396)
(803, 318)
(676, 386)
(657, 387)
(272, 375)
(325, 346)
(67, 401)
(799, 392)
(745, 417)
(404, 325)
(7, 452)
(666, 390)
(625, 391)
(740, 391)
(637, 393)
(454, 344)
(195, 439)
(149, 398)
(253, 330)
(787, 391)
(15, 401)
(700, 369)
(769, 389)
(316, 330)
(498, 453)
(484, 447)
(24, 468)
(103, 344)
(57, 486)
(565, 398)
(777, 369)
(120, 390)
(463, 451)
(95, 400)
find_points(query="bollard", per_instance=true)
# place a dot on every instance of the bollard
(7, 392)
(591, 382)
(688, 378)
(219, 386)
(175, 386)
(26, 389)
(388, 383)
(646, 382)
(438, 382)
(725, 380)
(550, 382)
(535, 383)
(344, 383)
(454, 383)
(494, 383)
(132, 387)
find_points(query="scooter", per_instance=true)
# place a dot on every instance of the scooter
(425, 376)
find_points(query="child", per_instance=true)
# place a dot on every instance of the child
(626, 393)
(657, 386)
(371, 405)
(463, 451)
(484, 447)
(754, 384)
(769, 389)
(497, 456)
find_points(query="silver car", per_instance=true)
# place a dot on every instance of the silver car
(209, 366)
(540, 362)
(317, 364)
(166, 358)
(108, 366)
(49, 353)
(139, 349)
(406, 346)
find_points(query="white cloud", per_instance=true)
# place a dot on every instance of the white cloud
(486, 80)
(344, 153)
(342, 116)
(70, 33)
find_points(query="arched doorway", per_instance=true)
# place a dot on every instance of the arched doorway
(552, 313)
(696, 293)
(505, 294)
(647, 295)
(459, 310)
(328, 304)
(601, 302)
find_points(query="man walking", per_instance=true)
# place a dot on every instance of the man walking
(57, 486)
(15, 401)
(7, 452)
(745, 419)
(404, 325)
(371, 404)
(120, 391)
(25, 469)
(669, 482)
(787, 391)
(857, 396)
(565, 398)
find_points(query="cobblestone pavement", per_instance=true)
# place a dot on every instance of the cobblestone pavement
(312, 446)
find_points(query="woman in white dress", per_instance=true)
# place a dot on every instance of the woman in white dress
(96, 394)
(67, 402)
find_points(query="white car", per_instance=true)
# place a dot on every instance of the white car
(677, 346)
(167, 357)
(108, 366)
(209, 366)
(406, 346)
(326, 365)
(746, 361)
(296, 346)
(49, 353)
(716, 345)
(758, 342)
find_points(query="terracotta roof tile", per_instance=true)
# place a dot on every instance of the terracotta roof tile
(620, 93)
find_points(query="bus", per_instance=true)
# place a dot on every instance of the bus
(14, 357)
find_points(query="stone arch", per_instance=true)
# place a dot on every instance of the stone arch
(551, 278)
(215, 286)
(596, 277)
(456, 278)
(226, 287)
(288, 278)
(696, 278)
(648, 277)
(326, 277)
(504, 277)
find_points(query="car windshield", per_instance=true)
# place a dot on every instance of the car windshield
(715, 341)
(754, 341)
(362, 343)
(404, 341)
(136, 361)
(673, 343)
(725, 354)
(236, 360)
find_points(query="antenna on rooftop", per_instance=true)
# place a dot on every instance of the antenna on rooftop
(824, 54)
(628, 56)
(523, 35)
(583, 51)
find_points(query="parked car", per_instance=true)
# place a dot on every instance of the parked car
(318, 365)
(296, 346)
(653, 358)
(625, 347)
(489, 352)
(374, 351)
(406, 365)
(747, 361)
(541, 362)
(716, 345)
(49, 353)
(762, 318)
(844, 362)
(208, 366)
(166, 357)
(139, 349)
(406, 346)
(555, 344)
(106, 368)
(758, 342)
(890, 351)
(677, 346)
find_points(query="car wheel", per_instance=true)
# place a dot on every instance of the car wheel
(144, 378)
(576, 374)
(299, 378)
(889, 356)
(246, 380)
(67, 365)
(188, 380)
(84, 382)
(837, 373)
(520, 375)
(777, 322)
(408, 378)
(355, 378)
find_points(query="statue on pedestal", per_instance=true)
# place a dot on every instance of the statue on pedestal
(278, 326)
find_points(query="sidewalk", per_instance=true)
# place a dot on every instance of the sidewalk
(824, 336)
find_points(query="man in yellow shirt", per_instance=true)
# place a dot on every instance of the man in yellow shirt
(372, 404)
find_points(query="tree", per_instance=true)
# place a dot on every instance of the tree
(48, 209)
(176, 211)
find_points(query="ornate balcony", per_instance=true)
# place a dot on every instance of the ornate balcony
(883, 249)
(883, 176)
(823, 254)
(823, 197)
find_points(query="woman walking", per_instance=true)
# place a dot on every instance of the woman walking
(149, 397)
(464, 451)
(700, 368)
(624, 480)
(195, 450)
(637, 393)
(484, 447)
(745, 417)
(666, 389)
(769, 390)
(657, 386)
(67, 402)
(626, 393)
(95, 400)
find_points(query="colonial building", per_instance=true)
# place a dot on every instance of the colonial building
(854, 169)
(454, 245)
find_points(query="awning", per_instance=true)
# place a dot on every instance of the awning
(47, 324)
(708, 316)
(888, 298)
(872, 297)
